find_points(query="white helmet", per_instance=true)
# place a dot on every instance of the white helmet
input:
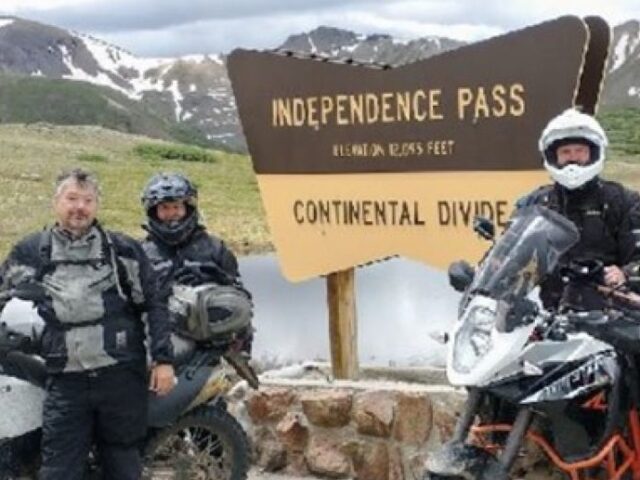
(572, 126)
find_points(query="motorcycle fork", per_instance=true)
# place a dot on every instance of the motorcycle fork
(463, 425)
(516, 436)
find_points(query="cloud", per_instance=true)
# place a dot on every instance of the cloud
(125, 15)
(175, 27)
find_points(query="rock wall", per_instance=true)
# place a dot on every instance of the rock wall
(363, 430)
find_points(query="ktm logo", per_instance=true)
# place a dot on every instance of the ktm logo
(597, 402)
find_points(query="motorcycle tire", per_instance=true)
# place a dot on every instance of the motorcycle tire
(206, 443)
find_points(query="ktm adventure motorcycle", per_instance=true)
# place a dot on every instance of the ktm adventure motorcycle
(562, 384)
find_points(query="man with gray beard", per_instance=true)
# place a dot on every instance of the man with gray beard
(91, 287)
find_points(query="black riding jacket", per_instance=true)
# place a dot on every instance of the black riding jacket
(607, 216)
(200, 247)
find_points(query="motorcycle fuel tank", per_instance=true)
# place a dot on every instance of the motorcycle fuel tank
(21, 405)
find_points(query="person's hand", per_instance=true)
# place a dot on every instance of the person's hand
(189, 275)
(30, 291)
(614, 276)
(162, 379)
(195, 274)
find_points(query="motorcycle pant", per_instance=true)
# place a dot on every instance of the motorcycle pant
(106, 407)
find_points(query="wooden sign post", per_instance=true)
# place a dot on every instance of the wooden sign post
(343, 326)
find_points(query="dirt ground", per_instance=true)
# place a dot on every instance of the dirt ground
(256, 474)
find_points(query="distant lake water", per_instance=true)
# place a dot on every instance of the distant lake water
(399, 302)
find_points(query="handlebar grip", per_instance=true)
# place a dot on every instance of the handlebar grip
(588, 317)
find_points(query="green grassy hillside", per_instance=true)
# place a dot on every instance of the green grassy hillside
(31, 156)
(63, 102)
(623, 128)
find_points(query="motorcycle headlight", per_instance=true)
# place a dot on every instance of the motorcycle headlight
(473, 339)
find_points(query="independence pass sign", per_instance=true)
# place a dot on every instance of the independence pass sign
(356, 163)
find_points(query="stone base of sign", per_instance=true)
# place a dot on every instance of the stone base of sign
(368, 429)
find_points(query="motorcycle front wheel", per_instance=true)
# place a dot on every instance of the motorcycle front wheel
(207, 443)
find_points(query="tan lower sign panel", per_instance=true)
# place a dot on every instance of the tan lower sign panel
(424, 216)
(356, 164)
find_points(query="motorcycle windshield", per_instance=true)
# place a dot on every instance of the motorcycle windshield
(528, 250)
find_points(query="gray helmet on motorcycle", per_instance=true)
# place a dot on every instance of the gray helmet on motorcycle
(210, 312)
(168, 187)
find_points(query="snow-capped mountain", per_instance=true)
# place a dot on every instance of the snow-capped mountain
(622, 86)
(380, 49)
(192, 90)
(195, 92)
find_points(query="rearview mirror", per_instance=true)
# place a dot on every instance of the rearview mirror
(484, 227)
(460, 275)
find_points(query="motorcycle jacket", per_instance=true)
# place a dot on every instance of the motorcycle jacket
(91, 293)
(199, 251)
(607, 216)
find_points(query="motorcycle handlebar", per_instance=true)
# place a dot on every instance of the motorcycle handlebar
(577, 318)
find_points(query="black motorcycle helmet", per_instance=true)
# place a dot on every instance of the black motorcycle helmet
(167, 187)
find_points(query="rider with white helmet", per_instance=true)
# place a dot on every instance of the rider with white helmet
(573, 147)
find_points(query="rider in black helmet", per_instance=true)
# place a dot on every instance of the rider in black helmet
(171, 189)
(178, 245)
(176, 234)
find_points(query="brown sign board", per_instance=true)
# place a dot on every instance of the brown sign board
(357, 163)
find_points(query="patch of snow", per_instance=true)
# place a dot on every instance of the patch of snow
(110, 58)
(312, 45)
(619, 53)
(350, 48)
(633, 92)
(217, 94)
(187, 115)
(193, 87)
(200, 58)
(193, 58)
(37, 73)
(177, 98)
(398, 41)
(317, 374)
(211, 136)
(78, 74)
(4, 22)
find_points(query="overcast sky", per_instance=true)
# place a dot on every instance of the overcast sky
(177, 27)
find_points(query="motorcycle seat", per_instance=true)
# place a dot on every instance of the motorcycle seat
(26, 367)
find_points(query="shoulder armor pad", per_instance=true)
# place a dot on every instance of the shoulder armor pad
(538, 196)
